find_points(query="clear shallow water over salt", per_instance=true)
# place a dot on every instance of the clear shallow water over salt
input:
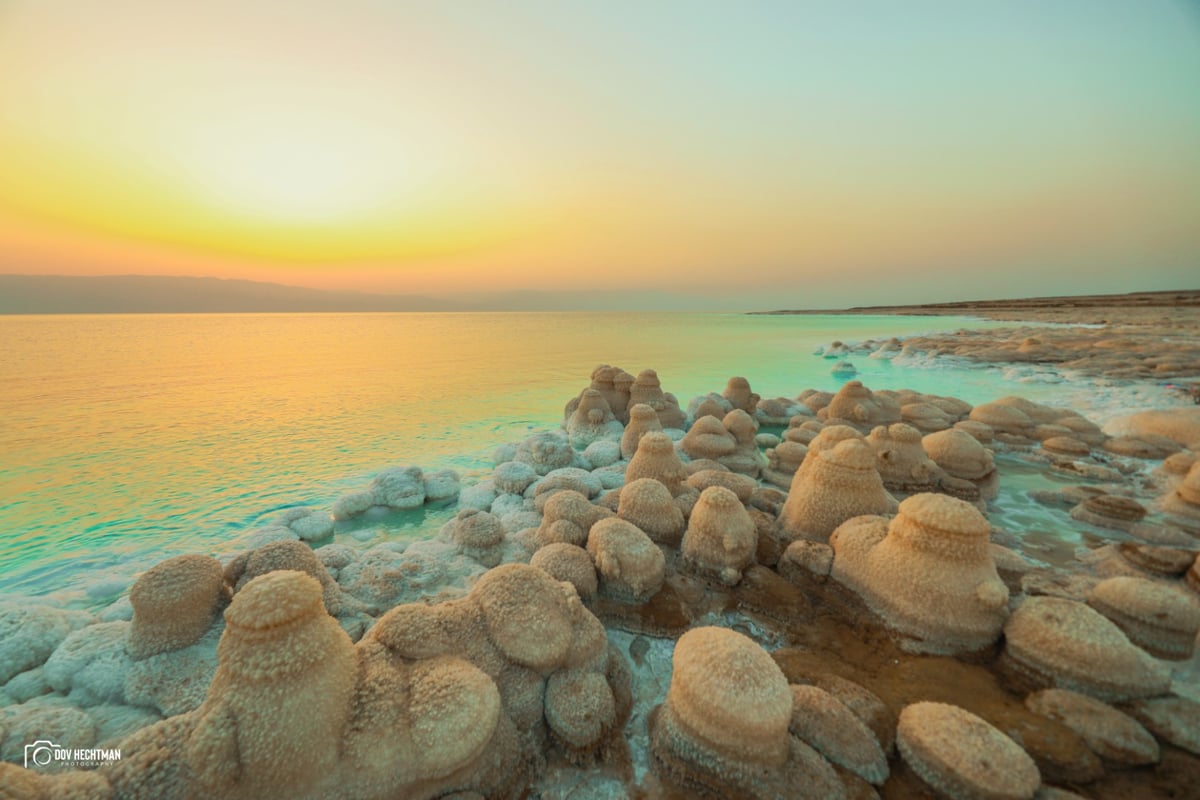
(128, 439)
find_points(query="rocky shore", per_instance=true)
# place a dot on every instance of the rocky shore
(730, 597)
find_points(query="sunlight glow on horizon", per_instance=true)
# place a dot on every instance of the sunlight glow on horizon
(425, 149)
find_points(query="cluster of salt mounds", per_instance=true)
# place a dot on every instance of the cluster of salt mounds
(574, 620)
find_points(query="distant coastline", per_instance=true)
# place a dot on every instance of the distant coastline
(1093, 309)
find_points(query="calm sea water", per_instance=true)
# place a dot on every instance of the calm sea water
(127, 439)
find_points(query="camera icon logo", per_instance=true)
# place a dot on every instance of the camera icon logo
(39, 753)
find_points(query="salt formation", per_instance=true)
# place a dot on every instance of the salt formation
(1054, 642)
(738, 393)
(642, 420)
(740, 485)
(1184, 500)
(656, 458)
(546, 452)
(592, 420)
(784, 459)
(1157, 618)
(174, 603)
(1110, 511)
(721, 537)
(723, 730)
(830, 727)
(476, 534)
(1004, 419)
(567, 517)
(831, 487)
(745, 458)
(928, 574)
(570, 563)
(1109, 733)
(962, 756)
(959, 454)
(708, 438)
(901, 460)
(647, 504)
(647, 389)
(630, 565)
(858, 406)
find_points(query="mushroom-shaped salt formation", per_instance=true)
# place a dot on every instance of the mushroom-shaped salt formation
(856, 405)
(570, 563)
(709, 405)
(959, 454)
(1053, 642)
(925, 417)
(273, 721)
(782, 462)
(647, 389)
(928, 574)
(721, 537)
(901, 460)
(708, 439)
(1109, 733)
(513, 477)
(174, 604)
(647, 504)
(477, 534)
(831, 487)
(642, 420)
(1160, 619)
(630, 565)
(1004, 419)
(567, 517)
(580, 708)
(745, 458)
(1110, 511)
(723, 730)
(740, 485)
(605, 380)
(656, 458)
(962, 756)
(738, 393)
(592, 420)
(545, 452)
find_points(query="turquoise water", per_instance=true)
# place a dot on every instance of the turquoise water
(129, 438)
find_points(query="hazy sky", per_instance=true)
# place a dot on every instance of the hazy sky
(789, 153)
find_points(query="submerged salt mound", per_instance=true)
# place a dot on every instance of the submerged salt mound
(962, 756)
(175, 602)
(1180, 425)
(832, 486)
(1160, 619)
(721, 538)
(928, 574)
(1053, 642)
(30, 633)
(723, 730)
(1114, 736)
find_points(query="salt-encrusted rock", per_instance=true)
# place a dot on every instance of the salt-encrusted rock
(401, 488)
(721, 538)
(1053, 642)
(592, 420)
(647, 389)
(1157, 618)
(580, 707)
(579, 480)
(1110, 511)
(1065, 446)
(741, 485)
(477, 534)
(960, 454)
(723, 729)
(901, 460)
(1184, 500)
(602, 453)
(835, 732)
(928, 573)
(738, 393)
(647, 503)
(782, 462)
(925, 417)
(90, 664)
(545, 451)
(962, 756)
(568, 562)
(513, 477)
(1004, 419)
(656, 458)
(441, 485)
(30, 633)
(708, 438)
(174, 682)
(832, 486)
(1173, 719)
(43, 719)
(745, 458)
(1166, 561)
(1180, 425)
(480, 496)
(642, 420)
(804, 559)
(708, 405)
(630, 565)
(567, 517)
(1110, 734)
(174, 603)
(856, 405)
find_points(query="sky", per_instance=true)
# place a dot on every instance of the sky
(798, 154)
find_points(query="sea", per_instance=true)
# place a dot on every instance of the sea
(127, 439)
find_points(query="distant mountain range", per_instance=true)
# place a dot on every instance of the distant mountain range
(134, 294)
